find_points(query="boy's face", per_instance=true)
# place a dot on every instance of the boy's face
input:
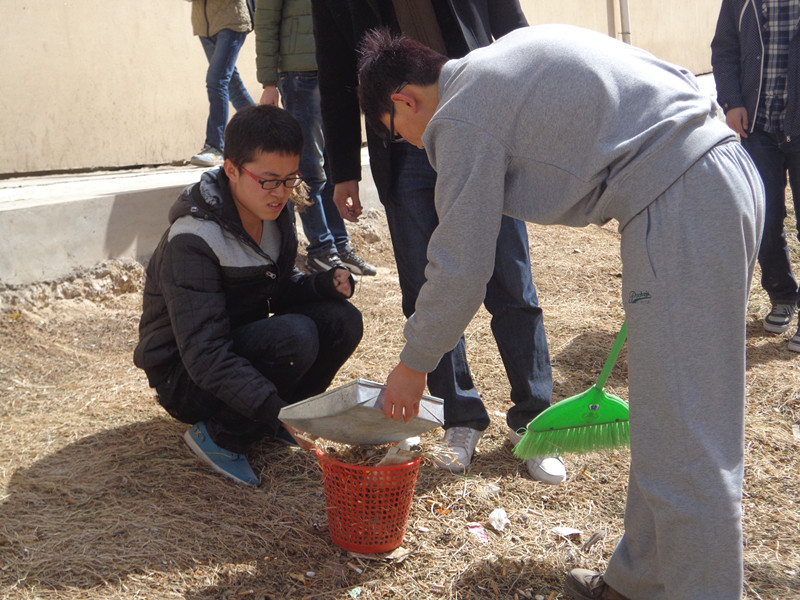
(254, 203)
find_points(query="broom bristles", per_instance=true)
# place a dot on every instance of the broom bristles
(573, 440)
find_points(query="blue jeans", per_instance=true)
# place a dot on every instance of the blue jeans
(223, 82)
(511, 300)
(299, 352)
(775, 156)
(322, 223)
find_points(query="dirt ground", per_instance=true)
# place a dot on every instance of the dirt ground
(99, 498)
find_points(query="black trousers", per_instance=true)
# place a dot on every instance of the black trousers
(300, 352)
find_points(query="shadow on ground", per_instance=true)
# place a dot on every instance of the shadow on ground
(133, 500)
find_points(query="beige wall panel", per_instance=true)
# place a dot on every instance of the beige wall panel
(92, 84)
(592, 14)
(679, 31)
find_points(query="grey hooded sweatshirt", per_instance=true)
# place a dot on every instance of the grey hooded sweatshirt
(549, 124)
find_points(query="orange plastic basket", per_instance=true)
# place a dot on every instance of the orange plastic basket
(368, 506)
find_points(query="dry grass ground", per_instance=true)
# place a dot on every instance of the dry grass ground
(100, 499)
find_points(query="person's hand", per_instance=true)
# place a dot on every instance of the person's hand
(404, 388)
(270, 95)
(736, 118)
(345, 197)
(341, 281)
(302, 441)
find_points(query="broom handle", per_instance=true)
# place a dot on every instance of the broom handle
(612, 357)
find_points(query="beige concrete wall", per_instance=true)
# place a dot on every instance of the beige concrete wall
(679, 31)
(599, 15)
(90, 84)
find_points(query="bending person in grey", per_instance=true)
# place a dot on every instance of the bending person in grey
(556, 124)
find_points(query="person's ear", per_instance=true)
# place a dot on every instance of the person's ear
(408, 99)
(231, 170)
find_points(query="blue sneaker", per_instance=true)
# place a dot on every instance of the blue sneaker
(223, 461)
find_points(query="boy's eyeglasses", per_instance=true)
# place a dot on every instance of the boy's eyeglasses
(393, 137)
(272, 184)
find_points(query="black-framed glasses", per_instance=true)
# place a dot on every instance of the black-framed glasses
(272, 184)
(393, 137)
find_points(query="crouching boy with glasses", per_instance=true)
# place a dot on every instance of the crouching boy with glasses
(230, 330)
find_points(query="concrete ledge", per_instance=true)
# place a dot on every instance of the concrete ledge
(50, 226)
(53, 225)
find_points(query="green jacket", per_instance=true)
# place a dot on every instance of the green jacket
(284, 38)
(209, 17)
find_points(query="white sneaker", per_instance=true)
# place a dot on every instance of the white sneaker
(207, 157)
(548, 469)
(460, 445)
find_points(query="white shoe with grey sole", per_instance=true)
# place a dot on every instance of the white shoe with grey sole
(460, 444)
(548, 469)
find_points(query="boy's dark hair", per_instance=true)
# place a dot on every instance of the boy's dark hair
(263, 128)
(386, 62)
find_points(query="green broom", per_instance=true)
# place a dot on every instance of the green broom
(592, 420)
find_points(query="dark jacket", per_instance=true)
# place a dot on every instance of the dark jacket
(737, 58)
(206, 278)
(339, 26)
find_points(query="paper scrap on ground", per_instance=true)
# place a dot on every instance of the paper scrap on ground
(477, 530)
(498, 519)
(566, 531)
(397, 555)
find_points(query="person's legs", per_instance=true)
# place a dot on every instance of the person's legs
(336, 224)
(411, 216)
(518, 326)
(299, 353)
(791, 152)
(237, 91)
(772, 162)
(282, 349)
(692, 248)
(339, 329)
(300, 95)
(222, 51)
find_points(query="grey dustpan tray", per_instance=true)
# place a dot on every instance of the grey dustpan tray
(352, 414)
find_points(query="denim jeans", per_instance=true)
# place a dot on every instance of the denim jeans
(511, 300)
(322, 223)
(775, 156)
(223, 82)
(299, 352)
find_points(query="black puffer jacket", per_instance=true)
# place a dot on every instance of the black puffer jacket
(206, 278)
(340, 25)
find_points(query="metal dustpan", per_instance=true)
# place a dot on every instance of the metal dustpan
(353, 414)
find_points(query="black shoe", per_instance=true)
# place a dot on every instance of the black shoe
(317, 264)
(780, 317)
(356, 265)
(794, 343)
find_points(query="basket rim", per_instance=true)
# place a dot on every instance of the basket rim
(327, 459)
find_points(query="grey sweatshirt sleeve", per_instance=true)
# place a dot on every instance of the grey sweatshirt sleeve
(470, 169)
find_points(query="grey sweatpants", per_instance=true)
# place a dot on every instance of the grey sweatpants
(687, 264)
